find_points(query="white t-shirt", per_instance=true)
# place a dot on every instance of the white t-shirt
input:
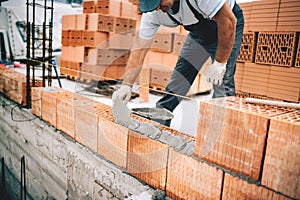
(151, 21)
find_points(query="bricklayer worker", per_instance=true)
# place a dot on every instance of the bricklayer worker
(215, 30)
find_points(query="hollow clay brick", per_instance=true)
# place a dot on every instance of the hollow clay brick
(191, 179)
(147, 160)
(235, 188)
(281, 169)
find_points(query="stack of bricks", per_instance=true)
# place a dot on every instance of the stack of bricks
(270, 41)
(263, 15)
(161, 60)
(288, 16)
(106, 28)
(241, 150)
(13, 85)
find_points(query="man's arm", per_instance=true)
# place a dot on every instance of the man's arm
(135, 60)
(226, 22)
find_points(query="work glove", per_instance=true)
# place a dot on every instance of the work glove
(123, 93)
(215, 73)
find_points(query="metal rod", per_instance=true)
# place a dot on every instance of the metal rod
(44, 52)
(28, 57)
(3, 174)
(50, 44)
(24, 173)
(21, 188)
(33, 41)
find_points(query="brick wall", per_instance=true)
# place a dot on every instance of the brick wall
(237, 151)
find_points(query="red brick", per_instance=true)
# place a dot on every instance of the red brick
(86, 125)
(191, 179)
(65, 111)
(81, 21)
(108, 7)
(235, 188)
(147, 160)
(122, 41)
(92, 72)
(179, 40)
(65, 37)
(247, 50)
(276, 48)
(76, 37)
(121, 25)
(36, 101)
(49, 103)
(238, 77)
(94, 38)
(112, 57)
(281, 169)
(160, 76)
(162, 42)
(232, 134)
(297, 57)
(112, 141)
(88, 6)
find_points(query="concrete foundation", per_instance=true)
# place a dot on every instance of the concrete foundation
(57, 167)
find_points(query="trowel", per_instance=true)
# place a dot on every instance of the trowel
(153, 113)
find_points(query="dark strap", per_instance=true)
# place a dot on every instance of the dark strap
(194, 11)
(173, 19)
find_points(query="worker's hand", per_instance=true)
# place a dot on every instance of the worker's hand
(123, 93)
(215, 73)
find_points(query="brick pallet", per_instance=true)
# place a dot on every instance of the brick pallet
(82, 33)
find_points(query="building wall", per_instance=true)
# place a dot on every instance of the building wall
(57, 166)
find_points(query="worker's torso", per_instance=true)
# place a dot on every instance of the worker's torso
(188, 14)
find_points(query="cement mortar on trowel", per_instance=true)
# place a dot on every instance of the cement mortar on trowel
(122, 117)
